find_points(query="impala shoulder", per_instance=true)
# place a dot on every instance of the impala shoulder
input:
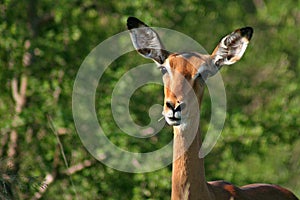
(269, 189)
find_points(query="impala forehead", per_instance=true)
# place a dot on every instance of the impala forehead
(186, 64)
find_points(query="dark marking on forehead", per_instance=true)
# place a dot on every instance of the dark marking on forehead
(189, 55)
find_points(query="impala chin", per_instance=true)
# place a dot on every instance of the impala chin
(181, 123)
(173, 121)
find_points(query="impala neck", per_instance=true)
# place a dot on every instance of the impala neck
(188, 177)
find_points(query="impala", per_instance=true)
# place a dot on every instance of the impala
(185, 74)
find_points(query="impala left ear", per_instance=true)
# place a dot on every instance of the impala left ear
(232, 47)
(146, 41)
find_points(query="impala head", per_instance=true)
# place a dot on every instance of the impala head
(184, 74)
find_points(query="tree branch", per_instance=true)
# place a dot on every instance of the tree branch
(78, 167)
(19, 97)
(14, 88)
(50, 177)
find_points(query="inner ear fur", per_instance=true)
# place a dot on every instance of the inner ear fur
(146, 41)
(232, 47)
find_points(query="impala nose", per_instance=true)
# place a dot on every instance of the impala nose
(173, 115)
(179, 107)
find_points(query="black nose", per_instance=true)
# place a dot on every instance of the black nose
(179, 108)
(170, 105)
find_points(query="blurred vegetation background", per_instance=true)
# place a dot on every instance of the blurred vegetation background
(42, 45)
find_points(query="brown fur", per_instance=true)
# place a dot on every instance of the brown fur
(188, 177)
(188, 72)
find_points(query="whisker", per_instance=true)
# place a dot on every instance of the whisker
(161, 118)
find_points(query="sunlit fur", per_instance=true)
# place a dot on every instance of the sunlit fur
(184, 76)
(180, 83)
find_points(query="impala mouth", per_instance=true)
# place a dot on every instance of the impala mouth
(173, 121)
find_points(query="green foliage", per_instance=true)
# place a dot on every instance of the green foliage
(47, 43)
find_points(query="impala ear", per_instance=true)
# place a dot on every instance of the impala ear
(232, 47)
(146, 41)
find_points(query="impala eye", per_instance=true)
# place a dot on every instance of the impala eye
(163, 70)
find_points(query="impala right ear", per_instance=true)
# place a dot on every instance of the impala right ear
(232, 47)
(146, 41)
